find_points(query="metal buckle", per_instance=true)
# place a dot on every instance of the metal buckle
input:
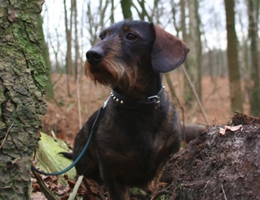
(157, 100)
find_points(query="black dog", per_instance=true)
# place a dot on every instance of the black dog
(139, 127)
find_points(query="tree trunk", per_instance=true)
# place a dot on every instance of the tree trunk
(112, 19)
(45, 54)
(126, 9)
(253, 12)
(199, 48)
(187, 91)
(194, 41)
(22, 84)
(76, 40)
(68, 64)
(232, 56)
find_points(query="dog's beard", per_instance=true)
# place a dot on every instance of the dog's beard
(112, 74)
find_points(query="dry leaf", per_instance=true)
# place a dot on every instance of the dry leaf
(222, 131)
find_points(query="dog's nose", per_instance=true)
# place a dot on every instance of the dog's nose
(187, 49)
(95, 55)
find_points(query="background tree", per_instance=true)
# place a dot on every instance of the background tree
(191, 35)
(253, 14)
(194, 41)
(126, 9)
(68, 29)
(232, 54)
(22, 84)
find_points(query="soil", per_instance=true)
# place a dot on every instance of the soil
(217, 165)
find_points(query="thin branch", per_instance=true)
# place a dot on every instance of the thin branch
(224, 193)
(160, 193)
(76, 188)
(6, 135)
(196, 95)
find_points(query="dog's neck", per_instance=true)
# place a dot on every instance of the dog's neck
(144, 88)
(141, 100)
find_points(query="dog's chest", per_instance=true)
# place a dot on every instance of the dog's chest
(135, 137)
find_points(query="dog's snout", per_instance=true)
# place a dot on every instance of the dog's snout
(95, 55)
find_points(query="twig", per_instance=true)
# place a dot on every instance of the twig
(196, 95)
(160, 193)
(78, 99)
(112, 13)
(76, 187)
(6, 135)
(45, 190)
(225, 197)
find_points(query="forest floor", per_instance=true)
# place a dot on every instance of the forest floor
(64, 120)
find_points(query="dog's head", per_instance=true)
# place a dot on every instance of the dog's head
(129, 50)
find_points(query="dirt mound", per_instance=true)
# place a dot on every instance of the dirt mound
(222, 163)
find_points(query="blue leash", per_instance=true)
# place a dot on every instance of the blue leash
(83, 150)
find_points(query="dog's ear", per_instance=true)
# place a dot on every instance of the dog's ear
(168, 51)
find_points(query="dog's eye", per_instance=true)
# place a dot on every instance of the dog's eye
(101, 36)
(131, 36)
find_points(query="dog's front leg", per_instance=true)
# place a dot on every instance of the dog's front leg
(116, 190)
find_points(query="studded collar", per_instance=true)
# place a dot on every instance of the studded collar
(149, 104)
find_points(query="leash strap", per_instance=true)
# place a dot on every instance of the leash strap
(94, 126)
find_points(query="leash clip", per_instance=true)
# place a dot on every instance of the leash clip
(157, 100)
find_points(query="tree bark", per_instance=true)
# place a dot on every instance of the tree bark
(253, 12)
(189, 65)
(76, 40)
(68, 64)
(232, 55)
(45, 54)
(194, 41)
(22, 84)
(126, 9)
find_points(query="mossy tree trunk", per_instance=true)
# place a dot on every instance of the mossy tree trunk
(23, 78)
(45, 53)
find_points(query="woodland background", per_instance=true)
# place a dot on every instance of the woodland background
(223, 67)
(223, 62)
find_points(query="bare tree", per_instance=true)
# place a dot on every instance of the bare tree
(194, 57)
(190, 35)
(76, 40)
(126, 9)
(68, 27)
(232, 54)
(253, 14)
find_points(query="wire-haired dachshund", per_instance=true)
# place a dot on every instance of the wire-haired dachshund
(139, 128)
